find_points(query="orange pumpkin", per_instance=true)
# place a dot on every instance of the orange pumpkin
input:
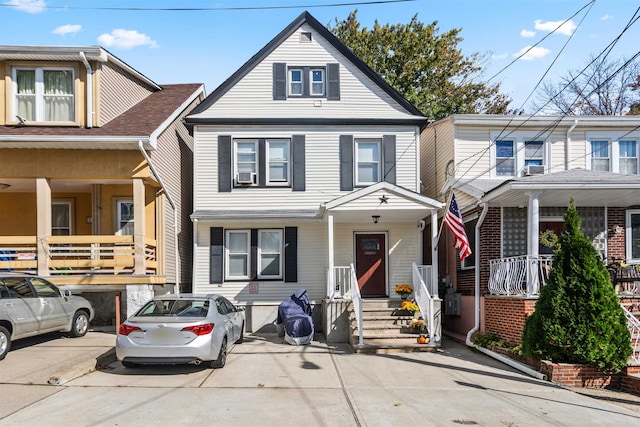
(422, 339)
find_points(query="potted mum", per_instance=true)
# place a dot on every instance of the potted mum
(404, 290)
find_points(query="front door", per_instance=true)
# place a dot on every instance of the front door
(371, 264)
(556, 227)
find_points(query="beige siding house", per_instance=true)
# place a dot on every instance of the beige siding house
(95, 182)
(306, 177)
(513, 178)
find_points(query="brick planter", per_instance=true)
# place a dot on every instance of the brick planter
(574, 375)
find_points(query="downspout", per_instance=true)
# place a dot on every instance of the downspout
(89, 90)
(567, 157)
(507, 361)
(175, 214)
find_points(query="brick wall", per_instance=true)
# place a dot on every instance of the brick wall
(579, 375)
(505, 316)
(615, 243)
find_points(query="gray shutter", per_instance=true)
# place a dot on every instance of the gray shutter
(333, 82)
(389, 158)
(224, 164)
(346, 162)
(262, 163)
(215, 255)
(298, 155)
(253, 268)
(279, 81)
(291, 254)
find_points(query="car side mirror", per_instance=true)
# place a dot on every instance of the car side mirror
(240, 308)
(66, 293)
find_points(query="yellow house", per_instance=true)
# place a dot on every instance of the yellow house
(95, 171)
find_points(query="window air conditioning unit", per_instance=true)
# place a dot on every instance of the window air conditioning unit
(533, 170)
(245, 178)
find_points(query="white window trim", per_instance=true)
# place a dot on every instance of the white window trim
(281, 253)
(278, 183)
(357, 141)
(311, 82)
(227, 275)
(519, 139)
(614, 139)
(117, 216)
(628, 238)
(235, 159)
(70, 204)
(39, 95)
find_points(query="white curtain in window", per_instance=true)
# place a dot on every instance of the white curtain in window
(58, 95)
(26, 94)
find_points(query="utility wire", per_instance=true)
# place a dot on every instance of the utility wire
(200, 9)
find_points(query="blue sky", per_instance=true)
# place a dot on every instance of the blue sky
(208, 46)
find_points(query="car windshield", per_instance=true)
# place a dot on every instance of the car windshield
(175, 308)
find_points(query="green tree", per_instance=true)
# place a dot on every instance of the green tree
(578, 317)
(425, 67)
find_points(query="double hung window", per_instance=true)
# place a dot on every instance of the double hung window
(368, 161)
(44, 94)
(628, 157)
(600, 160)
(124, 212)
(295, 82)
(505, 158)
(533, 153)
(278, 157)
(272, 155)
(317, 82)
(268, 253)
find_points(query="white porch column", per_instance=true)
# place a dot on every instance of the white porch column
(434, 252)
(533, 232)
(331, 282)
(139, 225)
(43, 229)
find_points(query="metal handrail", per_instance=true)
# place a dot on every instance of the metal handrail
(356, 299)
(426, 301)
(634, 328)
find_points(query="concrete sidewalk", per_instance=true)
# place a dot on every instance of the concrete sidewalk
(267, 382)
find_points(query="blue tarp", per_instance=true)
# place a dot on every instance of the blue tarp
(294, 315)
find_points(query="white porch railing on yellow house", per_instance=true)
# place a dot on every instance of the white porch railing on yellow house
(77, 255)
(521, 275)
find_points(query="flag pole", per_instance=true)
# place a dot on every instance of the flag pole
(442, 223)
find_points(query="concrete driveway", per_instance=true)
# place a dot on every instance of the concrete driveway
(269, 383)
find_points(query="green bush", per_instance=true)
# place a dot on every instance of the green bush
(578, 317)
(487, 340)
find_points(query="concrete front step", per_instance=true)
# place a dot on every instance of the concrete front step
(383, 347)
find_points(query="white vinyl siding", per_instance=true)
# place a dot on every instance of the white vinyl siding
(321, 169)
(357, 92)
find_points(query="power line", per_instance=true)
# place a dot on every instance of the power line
(200, 9)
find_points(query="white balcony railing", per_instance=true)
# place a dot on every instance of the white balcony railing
(521, 275)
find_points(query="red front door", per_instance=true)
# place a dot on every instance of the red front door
(371, 266)
(556, 227)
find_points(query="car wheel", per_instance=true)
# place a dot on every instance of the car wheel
(128, 364)
(241, 337)
(80, 324)
(5, 342)
(222, 356)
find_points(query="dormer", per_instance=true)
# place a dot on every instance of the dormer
(75, 86)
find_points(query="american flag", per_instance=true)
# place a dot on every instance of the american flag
(453, 220)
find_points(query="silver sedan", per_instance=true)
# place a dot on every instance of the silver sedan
(172, 329)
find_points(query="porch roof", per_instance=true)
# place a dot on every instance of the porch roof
(586, 187)
(390, 202)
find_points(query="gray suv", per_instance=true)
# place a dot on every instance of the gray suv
(30, 305)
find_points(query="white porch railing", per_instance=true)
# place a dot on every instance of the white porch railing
(521, 275)
(356, 298)
(426, 295)
(634, 329)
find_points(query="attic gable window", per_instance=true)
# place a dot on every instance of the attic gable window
(313, 81)
(43, 94)
(305, 37)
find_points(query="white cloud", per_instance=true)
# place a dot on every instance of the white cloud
(29, 6)
(126, 39)
(606, 17)
(500, 56)
(527, 33)
(63, 30)
(533, 53)
(565, 29)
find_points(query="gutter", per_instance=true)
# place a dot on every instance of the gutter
(89, 90)
(567, 142)
(517, 365)
(175, 214)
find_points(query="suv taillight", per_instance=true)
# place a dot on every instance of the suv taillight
(127, 329)
(200, 329)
